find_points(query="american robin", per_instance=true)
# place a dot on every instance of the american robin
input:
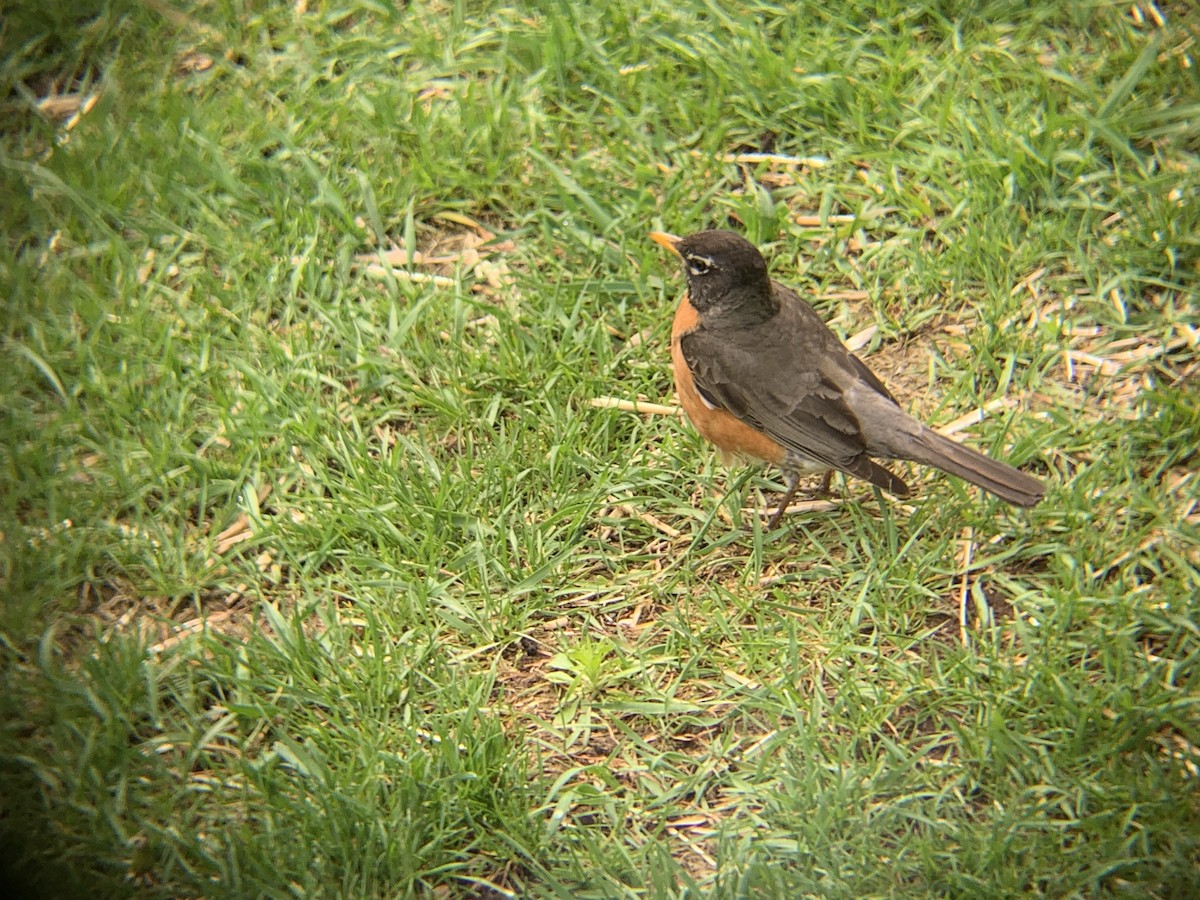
(761, 376)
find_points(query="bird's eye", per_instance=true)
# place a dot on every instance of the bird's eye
(698, 265)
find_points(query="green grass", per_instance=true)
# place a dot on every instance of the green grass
(480, 638)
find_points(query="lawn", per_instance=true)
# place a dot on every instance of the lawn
(340, 557)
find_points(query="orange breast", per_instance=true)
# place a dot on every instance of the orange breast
(730, 434)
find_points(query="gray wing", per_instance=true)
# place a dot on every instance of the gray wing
(787, 377)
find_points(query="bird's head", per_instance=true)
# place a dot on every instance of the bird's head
(724, 270)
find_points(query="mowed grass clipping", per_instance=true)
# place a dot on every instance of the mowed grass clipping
(336, 562)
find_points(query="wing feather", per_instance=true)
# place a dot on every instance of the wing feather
(787, 377)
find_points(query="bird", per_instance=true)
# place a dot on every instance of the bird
(762, 377)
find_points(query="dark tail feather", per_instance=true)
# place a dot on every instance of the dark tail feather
(1004, 481)
(884, 478)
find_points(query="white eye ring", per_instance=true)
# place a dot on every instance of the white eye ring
(699, 265)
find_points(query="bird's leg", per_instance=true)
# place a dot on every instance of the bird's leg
(793, 480)
(826, 483)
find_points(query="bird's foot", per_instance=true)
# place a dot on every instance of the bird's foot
(793, 481)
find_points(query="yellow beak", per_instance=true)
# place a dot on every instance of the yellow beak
(667, 240)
